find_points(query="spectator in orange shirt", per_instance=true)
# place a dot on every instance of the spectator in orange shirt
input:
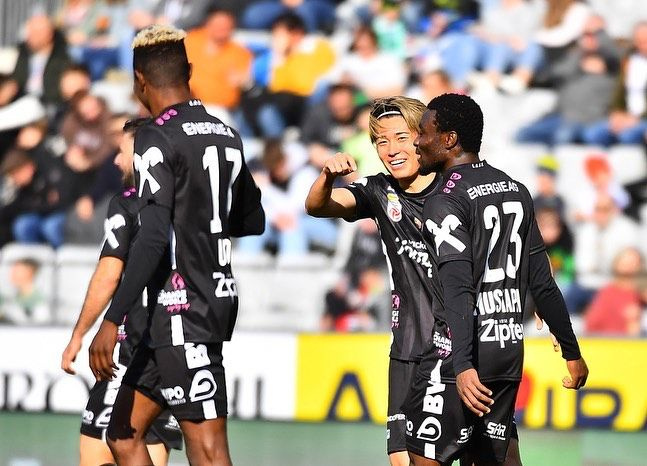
(221, 67)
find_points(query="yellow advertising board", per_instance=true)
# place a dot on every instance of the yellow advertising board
(344, 378)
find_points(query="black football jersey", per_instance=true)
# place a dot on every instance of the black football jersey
(192, 163)
(120, 228)
(398, 215)
(480, 215)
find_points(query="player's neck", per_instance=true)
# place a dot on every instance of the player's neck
(460, 159)
(417, 184)
(167, 97)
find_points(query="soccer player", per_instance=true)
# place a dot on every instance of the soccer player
(121, 228)
(395, 202)
(486, 252)
(195, 192)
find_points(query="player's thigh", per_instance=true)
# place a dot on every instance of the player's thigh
(399, 458)
(132, 415)
(400, 376)
(158, 453)
(94, 451)
(494, 431)
(417, 460)
(439, 426)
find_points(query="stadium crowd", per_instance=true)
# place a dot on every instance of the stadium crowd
(296, 78)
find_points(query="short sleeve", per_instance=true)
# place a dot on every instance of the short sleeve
(446, 229)
(153, 162)
(117, 231)
(361, 189)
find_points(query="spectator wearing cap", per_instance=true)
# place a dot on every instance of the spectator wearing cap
(546, 188)
(627, 121)
(597, 242)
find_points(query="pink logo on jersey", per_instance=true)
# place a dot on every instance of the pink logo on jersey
(447, 191)
(178, 282)
(455, 176)
(166, 116)
(121, 331)
(176, 300)
(129, 192)
(450, 184)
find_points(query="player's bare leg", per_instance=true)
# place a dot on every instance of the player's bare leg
(512, 456)
(158, 453)
(399, 458)
(417, 460)
(94, 451)
(132, 415)
(206, 442)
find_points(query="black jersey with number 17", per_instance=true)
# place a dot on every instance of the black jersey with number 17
(480, 215)
(398, 215)
(192, 163)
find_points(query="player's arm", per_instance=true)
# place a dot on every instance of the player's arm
(552, 308)
(325, 201)
(458, 295)
(103, 284)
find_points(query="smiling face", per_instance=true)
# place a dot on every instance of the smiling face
(394, 143)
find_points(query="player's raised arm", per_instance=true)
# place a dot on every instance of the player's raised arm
(552, 308)
(103, 284)
(325, 201)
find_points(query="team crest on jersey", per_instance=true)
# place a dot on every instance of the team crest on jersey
(393, 206)
(143, 163)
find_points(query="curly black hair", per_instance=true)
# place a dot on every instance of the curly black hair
(459, 113)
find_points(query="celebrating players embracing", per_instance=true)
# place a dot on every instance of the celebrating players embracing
(195, 193)
(395, 202)
(486, 252)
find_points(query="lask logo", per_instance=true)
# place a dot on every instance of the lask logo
(442, 234)
(143, 163)
(109, 226)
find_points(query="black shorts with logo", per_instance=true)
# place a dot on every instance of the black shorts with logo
(96, 416)
(188, 379)
(401, 374)
(441, 427)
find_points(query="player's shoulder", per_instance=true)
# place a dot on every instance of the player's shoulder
(468, 182)
(124, 202)
(192, 118)
(377, 182)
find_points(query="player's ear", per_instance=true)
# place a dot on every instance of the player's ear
(190, 70)
(140, 82)
(451, 139)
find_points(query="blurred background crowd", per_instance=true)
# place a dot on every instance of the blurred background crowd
(563, 84)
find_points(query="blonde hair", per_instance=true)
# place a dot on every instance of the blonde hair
(409, 109)
(158, 34)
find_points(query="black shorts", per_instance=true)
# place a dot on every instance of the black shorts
(96, 416)
(400, 376)
(441, 427)
(189, 380)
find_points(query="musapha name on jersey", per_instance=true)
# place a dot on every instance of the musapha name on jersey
(492, 188)
(499, 301)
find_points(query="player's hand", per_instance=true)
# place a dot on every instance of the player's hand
(539, 323)
(341, 164)
(69, 354)
(101, 362)
(474, 394)
(579, 373)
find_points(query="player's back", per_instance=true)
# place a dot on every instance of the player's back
(193, 163)
(488, 222)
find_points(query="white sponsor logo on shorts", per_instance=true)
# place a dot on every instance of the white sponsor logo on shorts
(495, 431)
(465, 434)
(174, 395)
(87, 417)
(203, 386)
(433, 403)
(196, 355)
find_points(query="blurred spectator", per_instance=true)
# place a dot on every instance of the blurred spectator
(616, 308)
(446, 24)
(74, 80)
(17, 170)
(375, 73)
(546, 195)
(357, 301)
(315, 14)
(597, 242)
(433, 82)
(79, 20)
(559, 245)
(585, 80)
(184, 14)
(84, 222)
(283, 190)
(564, 22)
(286, 76)
(390, 30)
(42, 58)
(86, 132)
(504, 39)
(361, 148)
(598, 171)
(27, 305)
(327, 124)
(627, 122)
(216, 58)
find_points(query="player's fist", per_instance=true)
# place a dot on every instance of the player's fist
(341, 164)
(578, 374)
(69, 354)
